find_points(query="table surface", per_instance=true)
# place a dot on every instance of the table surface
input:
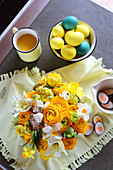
(102, 22)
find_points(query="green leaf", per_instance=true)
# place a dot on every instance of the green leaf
(37, 137)
(64, 135)
(69, 135)
(75, 135)
(29, 140)
(15, 121)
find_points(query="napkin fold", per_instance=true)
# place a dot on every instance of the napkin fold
(87, 73)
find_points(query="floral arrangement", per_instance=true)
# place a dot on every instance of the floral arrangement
(50, 117)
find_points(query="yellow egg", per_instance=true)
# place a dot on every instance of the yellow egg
(58, 31)
(57, 43)
(68, 52)
(83, 29)
(86, 39)
(74, 38)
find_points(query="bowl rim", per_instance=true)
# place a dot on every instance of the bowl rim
(107, 111)
(76, 59)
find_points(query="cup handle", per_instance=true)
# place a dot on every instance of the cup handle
(14, 29)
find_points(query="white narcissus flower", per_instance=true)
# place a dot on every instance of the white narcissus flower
(39, 106)
(83, 111)
(21, 104)
(55, 148)
(52, 132)
(64, 95)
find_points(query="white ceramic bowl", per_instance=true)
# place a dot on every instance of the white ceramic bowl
(99, 87)
(92, 38)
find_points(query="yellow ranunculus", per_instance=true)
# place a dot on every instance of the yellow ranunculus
(20, 130)
(53, 79)
(65, 123)
(81, 126)
(31, 93)
(59, 88)
(73, 113)
(23, 117)
(60, 103)
(51, 114)
(69, 143)
(46, 94)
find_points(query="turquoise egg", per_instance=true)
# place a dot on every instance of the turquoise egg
(70, 23)
(83, 48)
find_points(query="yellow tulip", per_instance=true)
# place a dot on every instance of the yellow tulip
(53, 79)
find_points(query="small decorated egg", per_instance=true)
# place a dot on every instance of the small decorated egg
(103, 98)
(68, 52)
(74, 38)
(86, 39)
(83, 29)
(70, 22)
(89, 129)
(109, 105)
(58, 31)
(57, 43)
(96, 119)
(108, 91)
(83, 48)
(99, 128)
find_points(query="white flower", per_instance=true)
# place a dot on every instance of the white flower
(83, 111)
(21, 104)
(64, 95)
(38, 117)
(55, 148)
(39, 106)
(52, 132)
(46, 104)
(40, 87)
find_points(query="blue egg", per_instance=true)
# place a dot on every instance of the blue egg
(83, 48)
(70, 23)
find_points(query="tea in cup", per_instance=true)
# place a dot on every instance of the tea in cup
(26, 41)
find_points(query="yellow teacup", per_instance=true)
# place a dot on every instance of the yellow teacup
(26, 41)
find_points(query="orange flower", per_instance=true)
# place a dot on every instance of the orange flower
(23, 117)
(43, 145)
(69, 143)
(31, 93)
(51, 114)
(27, 138)
(65, 123)
(81, 126)
(60, 88)
(60, 103)
(73, 109)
